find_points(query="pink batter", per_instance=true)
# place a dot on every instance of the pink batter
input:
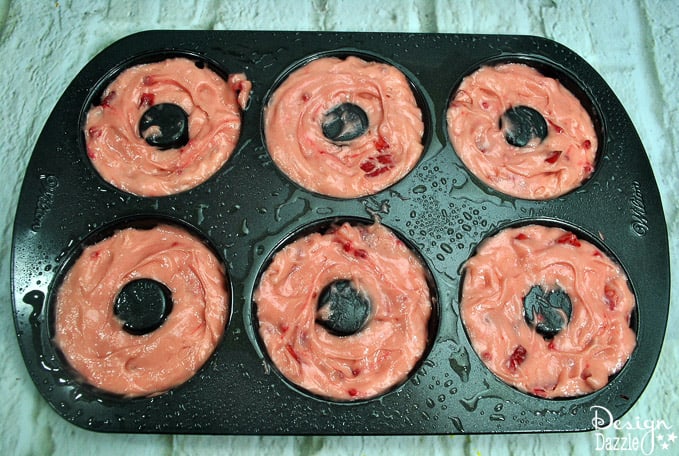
(580, 358)
(92, 338)
(385, 153)
(364, 364)
(540, 170)
(124, 159)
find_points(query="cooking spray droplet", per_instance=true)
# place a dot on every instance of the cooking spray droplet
(419, 189)
(200, 216)
(471, 403)
(36, 299)
(459, 362)
(344, 123)
(381, 207)
(292, 203)
(457, 423)
(46, 364)
(324, 210)
(244, 228)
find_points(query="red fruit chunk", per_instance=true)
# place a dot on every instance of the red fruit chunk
(569, 238)
(348, 247)
(540, 392)
(611, 297)
(146, 99)
(553, 156)
(379, 171)
(517, 357)
(360, 253)
(106, 102)
(377, 164)
(385, 159)
(588, 168)
(381, 144)
(368, 166)
(292, 352)
(94, 132)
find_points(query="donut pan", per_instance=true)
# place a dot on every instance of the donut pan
(248, 209)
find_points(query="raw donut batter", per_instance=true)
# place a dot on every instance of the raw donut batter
(119, 150)
(377, 357)
(92, 338)
(344, 128)
(522, 133)
(594, 344)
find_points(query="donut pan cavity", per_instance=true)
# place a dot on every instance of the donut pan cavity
(248, 209)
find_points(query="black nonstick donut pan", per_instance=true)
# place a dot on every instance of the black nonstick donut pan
(249, 209)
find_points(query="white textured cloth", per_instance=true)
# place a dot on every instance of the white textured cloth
(44, 44)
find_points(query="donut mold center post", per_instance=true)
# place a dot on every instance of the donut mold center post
(342, 309)
(143, 305)
(165, 126)
(344, 122)
(547, 311)
(521, 125)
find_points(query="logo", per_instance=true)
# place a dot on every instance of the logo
(640, 436)
(639, 217)
(45, 201)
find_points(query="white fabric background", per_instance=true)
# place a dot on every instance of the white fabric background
(43, 44)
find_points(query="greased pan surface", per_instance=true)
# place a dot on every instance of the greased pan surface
(248, 209)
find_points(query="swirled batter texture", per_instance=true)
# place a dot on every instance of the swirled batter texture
(545, 169)
(595, 344)
(92, 338)
(386, 152)
(368, 362)
(123, 157)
